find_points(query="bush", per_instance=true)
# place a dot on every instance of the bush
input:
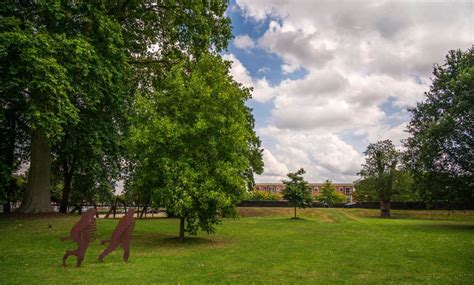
(262, 196)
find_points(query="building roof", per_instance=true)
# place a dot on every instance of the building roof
(310, 183)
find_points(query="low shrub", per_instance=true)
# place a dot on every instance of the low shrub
(262, 196)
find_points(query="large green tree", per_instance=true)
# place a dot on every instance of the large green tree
(91, 148)
(403, 188)
(63, 58)
(297, 190)
(56, 70)
(379, 172)
(192, 142)
(440, 149)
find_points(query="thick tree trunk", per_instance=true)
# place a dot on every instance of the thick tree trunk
(181, 229)
(295, 212)
(385, 208)
(37, 198)
(66, 189)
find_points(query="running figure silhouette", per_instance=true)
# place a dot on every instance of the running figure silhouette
(82, 233)
(122, 235)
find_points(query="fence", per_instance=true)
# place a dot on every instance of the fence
(414, 205)
(104, 209)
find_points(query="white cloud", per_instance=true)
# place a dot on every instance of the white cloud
(331, 101)
(366, 62)
(396, 134)
(296, 47)
(288, 68)
(257, 10)
(398, 38)
(274, 170)
(244, 42)
(322, 154)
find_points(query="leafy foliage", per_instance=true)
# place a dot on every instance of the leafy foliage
(440, 150)
(69, 73)
(329, 194)
(257, 195)
(192, 142)
(297, 190)
(367, 188)
(379, 173)
(17, 190)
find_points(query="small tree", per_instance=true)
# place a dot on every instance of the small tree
(329, 194)
(297, 190)
(379, 173)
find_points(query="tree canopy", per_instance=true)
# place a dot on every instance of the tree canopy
(329, 194)
(70, 71)
(192, 143)
(440, 149)
(379, 173)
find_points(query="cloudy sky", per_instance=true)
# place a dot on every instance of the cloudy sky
(330, 77)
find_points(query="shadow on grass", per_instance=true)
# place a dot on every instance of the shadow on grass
(290, 219)
(297, 219)
(454, 227)
(163, 240)
(21, 216)
(441, 219)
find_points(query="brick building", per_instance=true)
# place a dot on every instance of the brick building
(277, 188)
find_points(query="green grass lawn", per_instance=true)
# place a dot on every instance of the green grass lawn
(263, 246)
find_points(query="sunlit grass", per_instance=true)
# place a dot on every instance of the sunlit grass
(264, 246)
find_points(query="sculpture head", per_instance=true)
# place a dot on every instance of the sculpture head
(130, 212)
(90, 213)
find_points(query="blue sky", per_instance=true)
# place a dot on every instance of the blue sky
(330, 77)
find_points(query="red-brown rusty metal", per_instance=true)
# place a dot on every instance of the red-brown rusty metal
(82, 233)
(122, 235)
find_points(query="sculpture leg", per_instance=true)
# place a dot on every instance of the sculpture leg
(113, 245)
(126, 250)
(126, 238)
(81, 252)
(67, 254)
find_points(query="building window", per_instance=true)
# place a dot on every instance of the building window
(348, 191)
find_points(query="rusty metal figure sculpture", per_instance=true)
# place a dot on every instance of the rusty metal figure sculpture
(122, 235)
(82, 233)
